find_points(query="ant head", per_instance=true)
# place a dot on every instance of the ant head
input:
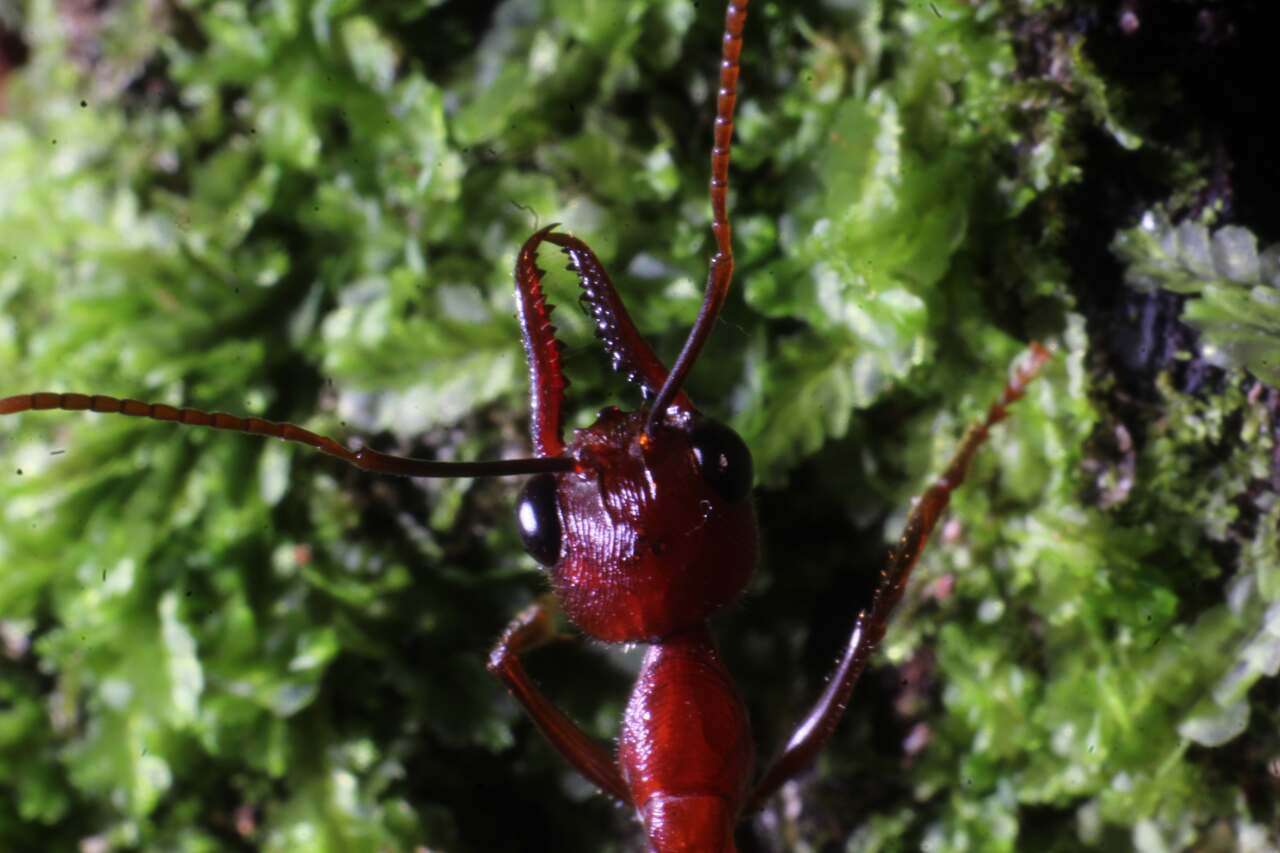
(650, 533)
(653, 529)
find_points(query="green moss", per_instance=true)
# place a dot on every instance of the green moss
(1237, 287)
(309, 213)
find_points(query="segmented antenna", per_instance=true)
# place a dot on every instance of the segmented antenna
(365, 459)
(721, 273)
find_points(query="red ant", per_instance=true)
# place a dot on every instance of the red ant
(645, 524)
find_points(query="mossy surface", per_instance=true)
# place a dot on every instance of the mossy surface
(309, 212)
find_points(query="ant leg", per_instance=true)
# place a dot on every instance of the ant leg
(811, 735)
(530, 629)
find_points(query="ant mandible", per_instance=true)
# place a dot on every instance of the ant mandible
(645, 524)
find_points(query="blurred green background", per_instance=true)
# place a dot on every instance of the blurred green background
(308, 211)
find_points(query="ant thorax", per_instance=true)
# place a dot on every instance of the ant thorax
(658, 529)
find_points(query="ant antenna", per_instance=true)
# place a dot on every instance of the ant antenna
(721, 272)
(365, 459)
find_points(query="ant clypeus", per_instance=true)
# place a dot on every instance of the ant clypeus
(645, 523)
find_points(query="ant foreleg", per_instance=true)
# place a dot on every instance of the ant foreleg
(532, 628)
(868, 629)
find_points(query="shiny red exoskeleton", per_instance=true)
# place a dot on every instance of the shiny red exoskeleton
(645, 523)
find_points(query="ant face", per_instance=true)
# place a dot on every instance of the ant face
(652, 532)
(651, 529)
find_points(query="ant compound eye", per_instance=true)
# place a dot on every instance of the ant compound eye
(724, 460)
(538, 517)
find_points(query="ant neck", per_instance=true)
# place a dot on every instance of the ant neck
(697, 638)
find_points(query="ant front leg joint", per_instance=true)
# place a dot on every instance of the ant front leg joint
(532, 628)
